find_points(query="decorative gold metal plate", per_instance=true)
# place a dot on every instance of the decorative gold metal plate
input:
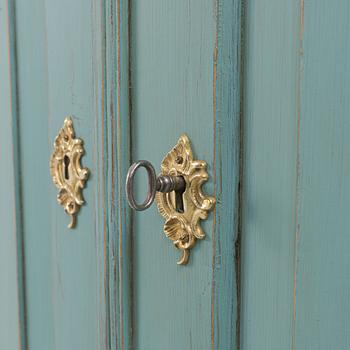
(184, 228)
(66, 171)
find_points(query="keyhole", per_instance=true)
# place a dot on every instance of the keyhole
(66, 162)
(179, 202)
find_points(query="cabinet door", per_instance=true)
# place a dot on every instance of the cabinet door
(295, 220)
(185, 79)
(55, 65)
(134, 76)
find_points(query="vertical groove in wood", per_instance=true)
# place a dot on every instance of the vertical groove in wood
(238, 244)
(114, 157)
(12, 165)
(297, 169)
(101, 159)
(117, 134)
(227, 115)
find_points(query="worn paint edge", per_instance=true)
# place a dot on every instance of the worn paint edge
(18, 225)
(112, 157)
(227, 140)
(98, 67)
(118, 144)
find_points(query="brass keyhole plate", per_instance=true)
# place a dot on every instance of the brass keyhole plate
(183, 226)
(66, 170)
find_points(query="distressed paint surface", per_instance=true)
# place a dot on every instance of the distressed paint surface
(185, 78)
(295, 256)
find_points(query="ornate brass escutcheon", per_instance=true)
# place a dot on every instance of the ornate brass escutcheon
(179, 196)
(67, 173)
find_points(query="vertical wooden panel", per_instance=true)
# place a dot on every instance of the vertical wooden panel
(323, 275)
(71, 63)
(12, 328)
(270, 172)
(172, 93)
(185, 78)
(295, 214)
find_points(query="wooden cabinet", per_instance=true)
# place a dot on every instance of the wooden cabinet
(261, 88)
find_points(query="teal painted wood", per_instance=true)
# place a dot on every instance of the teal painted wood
(270, 173)
(77, 280)
(227, 158)
(35, 181)
(12, 331)
(185, 78)
(295, 276)
(322, 260)
(117, 160)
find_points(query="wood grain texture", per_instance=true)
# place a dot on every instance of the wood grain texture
(185, 78)
(12, 315)
(323, 257)
(117, 160)
(296, 194)
(270, 173)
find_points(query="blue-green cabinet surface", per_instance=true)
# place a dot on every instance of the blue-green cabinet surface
(295, 276)
(261, 87)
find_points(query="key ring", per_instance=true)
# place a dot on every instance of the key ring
(162, 183)
(151, 185)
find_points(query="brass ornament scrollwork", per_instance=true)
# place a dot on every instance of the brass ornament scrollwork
(184, 228)
(66, 170)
